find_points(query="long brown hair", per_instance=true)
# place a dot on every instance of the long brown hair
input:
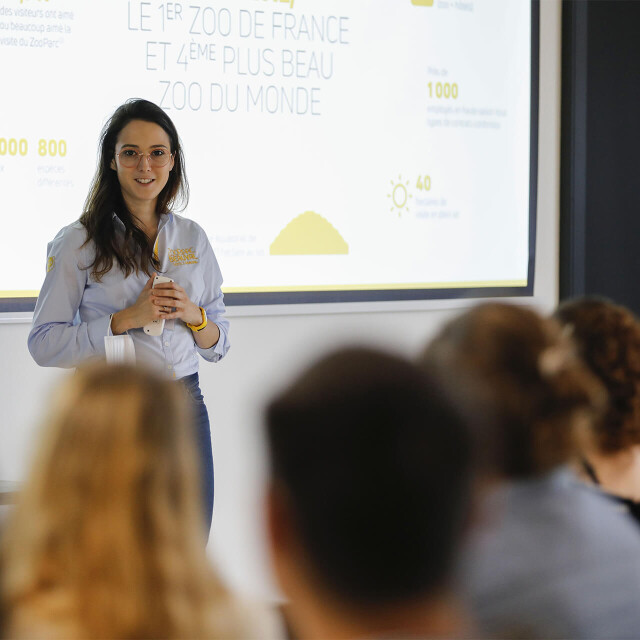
(106, 539)
(131, 253)
(524, 374)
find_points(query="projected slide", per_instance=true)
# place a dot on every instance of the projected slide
(336, 150)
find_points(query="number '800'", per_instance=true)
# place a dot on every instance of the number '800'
(52, 147)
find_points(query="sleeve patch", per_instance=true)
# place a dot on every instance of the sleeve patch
(51, 263)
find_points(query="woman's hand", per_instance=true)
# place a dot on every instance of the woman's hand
(174, 303)
(143, 311)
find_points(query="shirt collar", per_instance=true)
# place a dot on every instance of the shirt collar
(165, 218)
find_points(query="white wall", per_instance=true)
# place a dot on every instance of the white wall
(268, 350)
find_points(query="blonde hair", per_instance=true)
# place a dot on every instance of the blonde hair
(106, 539)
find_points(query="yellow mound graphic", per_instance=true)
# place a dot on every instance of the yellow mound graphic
(307, 235)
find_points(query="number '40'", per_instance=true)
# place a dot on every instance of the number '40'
(424, 182)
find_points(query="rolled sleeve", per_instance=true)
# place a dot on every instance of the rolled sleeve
(213, 303)
(220, 348)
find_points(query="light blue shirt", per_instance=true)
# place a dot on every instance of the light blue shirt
(73, 311)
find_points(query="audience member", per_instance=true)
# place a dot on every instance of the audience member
(371, 472)
(547, 558)
(107, 538)
(608, 339)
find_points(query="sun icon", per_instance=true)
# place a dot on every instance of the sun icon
(399, 195)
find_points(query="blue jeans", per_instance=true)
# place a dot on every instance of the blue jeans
(203, 443)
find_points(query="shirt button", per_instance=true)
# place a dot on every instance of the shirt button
(169, 366)
(166, 343)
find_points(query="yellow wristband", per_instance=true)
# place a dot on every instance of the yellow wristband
(201, 326)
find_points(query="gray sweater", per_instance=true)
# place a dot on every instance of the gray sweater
(553, 559)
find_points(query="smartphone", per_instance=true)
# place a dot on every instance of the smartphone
(156, 327)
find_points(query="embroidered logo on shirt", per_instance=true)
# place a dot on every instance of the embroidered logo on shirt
(51, 262)
(183, 256)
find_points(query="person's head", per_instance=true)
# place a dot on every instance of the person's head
(140, 121)
(109, 517)
(371, 468)
(520, 369)
(136, 127)
(608, 339)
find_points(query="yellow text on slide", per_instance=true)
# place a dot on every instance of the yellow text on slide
(422, 3)
(20, 147)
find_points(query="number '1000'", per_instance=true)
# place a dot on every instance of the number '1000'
(443, 90)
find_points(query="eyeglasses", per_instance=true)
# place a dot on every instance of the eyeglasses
(130, 158)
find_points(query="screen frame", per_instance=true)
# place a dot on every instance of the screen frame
(291, 299)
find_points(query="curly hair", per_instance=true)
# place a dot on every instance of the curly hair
(608, 338)
(519, 369)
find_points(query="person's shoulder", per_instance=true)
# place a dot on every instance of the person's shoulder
(594, 524)
(594, 502)
(187, 224)
(189, 231)
(558, 506)
(71, 237)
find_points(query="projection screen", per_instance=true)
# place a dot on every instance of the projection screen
(336, 151)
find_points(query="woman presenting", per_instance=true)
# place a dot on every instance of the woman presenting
(101, 269)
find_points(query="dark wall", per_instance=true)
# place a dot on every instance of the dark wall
(600, 193)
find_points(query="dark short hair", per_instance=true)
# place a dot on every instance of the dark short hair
(520, 369)
(608, 339)
(375, 464)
